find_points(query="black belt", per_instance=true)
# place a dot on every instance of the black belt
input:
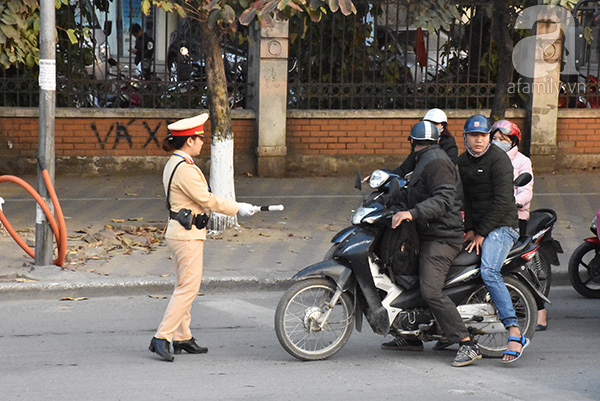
(187, 219)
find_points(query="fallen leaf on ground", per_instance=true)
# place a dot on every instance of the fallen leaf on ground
(73, 299)
(117, 220)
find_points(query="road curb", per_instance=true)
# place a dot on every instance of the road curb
(151, 285)
(131, 286)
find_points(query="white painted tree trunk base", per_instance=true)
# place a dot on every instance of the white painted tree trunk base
(221, 181)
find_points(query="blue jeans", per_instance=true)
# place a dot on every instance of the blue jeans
(494, 250)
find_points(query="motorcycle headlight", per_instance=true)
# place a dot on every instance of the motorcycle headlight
(103, 52)
(378, 178)
(595, 223)
(360, 214)
(184, 51)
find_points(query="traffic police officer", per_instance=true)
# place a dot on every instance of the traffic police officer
(189, 201)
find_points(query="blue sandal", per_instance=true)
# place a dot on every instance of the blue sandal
(521, 340)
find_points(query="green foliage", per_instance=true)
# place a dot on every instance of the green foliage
(19, 30)
(226, 13)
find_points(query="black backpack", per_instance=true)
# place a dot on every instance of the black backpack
(399, 253)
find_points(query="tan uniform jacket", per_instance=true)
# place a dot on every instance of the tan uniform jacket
(189, 190)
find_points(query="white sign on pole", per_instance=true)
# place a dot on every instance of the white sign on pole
(47, 78)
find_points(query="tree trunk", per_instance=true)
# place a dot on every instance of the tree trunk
(502, 38)
(221, 166)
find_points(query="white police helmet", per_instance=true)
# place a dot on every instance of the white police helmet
(436, 116)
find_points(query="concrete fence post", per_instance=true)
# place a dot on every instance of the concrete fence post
(544, 93)
(269, 97)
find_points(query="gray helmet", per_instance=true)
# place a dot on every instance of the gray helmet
(424, 131)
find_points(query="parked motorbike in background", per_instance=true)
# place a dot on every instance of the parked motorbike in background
(314, 317)
(584, 264)
(124, 88)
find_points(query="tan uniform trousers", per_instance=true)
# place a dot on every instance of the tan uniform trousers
(175, 324)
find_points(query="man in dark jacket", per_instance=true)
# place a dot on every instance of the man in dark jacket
(491, 220)
(144, 50)
(432, 201)
(446, 141)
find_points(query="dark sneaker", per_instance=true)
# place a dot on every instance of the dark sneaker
(439, 345)
(403, 344)
(466, 355)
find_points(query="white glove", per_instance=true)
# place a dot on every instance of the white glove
(247, 209)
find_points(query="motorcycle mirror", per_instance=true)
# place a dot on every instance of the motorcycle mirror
(107, 28)
(358, 181)
(395, 188)
(522, 180)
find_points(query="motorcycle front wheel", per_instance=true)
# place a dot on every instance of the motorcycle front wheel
(584, 270)
(493, 345)
(298, 320)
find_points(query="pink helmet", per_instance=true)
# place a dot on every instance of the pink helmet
(507, 128)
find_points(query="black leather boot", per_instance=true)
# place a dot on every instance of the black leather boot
(188, 346)
(161, 348)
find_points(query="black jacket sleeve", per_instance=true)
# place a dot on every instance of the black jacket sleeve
(503, 201)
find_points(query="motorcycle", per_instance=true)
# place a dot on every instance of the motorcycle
(315, 316)
(584, 264)
(539, 228)
(123, 88)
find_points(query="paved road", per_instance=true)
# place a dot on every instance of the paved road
(96, 349)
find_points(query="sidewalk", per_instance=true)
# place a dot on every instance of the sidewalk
(264, 253)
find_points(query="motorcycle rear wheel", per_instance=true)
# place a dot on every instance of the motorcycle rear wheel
(297, 315)
(543, 270)
(584, 270)
(493, 345)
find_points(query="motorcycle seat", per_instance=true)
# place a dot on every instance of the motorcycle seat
(521, 244)
(465, 258)
(539, 219)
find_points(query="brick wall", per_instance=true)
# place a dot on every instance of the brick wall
(579, 136)
(75, 137)
(115, 142)
(323, 142)
(359, 137)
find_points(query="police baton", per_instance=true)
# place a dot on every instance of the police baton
(268, 208)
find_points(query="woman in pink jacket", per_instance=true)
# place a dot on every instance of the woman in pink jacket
(507, 135)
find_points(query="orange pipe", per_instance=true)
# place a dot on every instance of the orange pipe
(59, 229)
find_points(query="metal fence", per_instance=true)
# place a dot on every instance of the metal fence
(100, 70)
(375, 59)
(579, 88)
